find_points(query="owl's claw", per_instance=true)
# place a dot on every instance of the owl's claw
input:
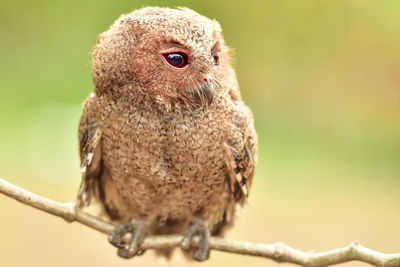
(137, 231)
(197, 228)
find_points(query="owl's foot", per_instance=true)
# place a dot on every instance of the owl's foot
(137, 233)
(197, 228)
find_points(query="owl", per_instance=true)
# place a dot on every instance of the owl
(167, 145)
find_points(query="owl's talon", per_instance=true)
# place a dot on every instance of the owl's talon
(129, 253)
(197, 228)
(138, 233)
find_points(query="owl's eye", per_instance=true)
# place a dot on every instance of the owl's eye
(216, 59)
(176, 59)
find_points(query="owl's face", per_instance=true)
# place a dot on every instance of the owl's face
(169, 54)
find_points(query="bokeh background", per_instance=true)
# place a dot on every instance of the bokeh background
(323, 80)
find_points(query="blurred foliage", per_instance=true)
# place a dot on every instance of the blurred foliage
(323, 80)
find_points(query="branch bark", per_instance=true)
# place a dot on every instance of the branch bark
(279, 252)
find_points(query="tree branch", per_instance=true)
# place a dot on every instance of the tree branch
(279, 252)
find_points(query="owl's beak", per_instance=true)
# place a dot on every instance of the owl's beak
(208, 91)
(207, 78)
(203, 91)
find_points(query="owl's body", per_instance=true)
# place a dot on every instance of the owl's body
(160, 143)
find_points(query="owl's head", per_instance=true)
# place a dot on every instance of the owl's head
(172, 55)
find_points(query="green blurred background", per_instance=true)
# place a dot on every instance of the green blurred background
(323, 80)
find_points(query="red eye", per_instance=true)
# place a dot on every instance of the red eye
(176, 59)
(216, 59)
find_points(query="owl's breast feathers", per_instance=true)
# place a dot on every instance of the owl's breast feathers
(170, 166)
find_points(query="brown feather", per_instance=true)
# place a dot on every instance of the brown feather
(175, 144)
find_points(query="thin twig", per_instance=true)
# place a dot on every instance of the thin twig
(279, 252)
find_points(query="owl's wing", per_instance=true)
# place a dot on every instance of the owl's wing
(90, 152)
(241, 153)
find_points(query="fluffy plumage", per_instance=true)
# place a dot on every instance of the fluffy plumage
(160, 145)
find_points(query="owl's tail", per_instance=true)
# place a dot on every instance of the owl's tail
(165, 252)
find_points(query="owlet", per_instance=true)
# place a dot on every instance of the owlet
(167, 146)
